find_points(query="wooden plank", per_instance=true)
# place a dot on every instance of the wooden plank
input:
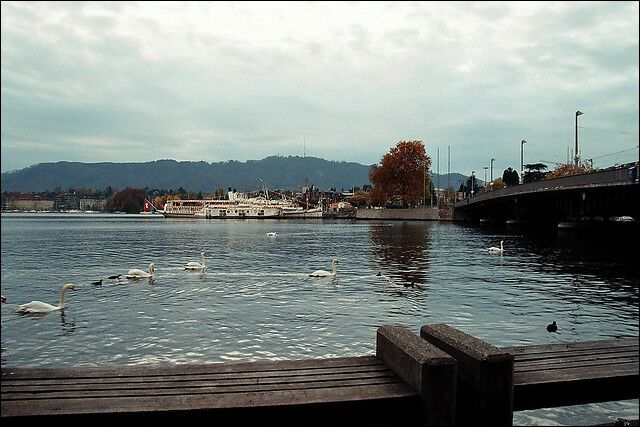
(168, 390)
(263, 383)
(154, 390)
(119, 404)
(144, 370)
(552, 375)
(574, 363)
(580, 345)
(169, 375)
(584, 352)
(42, 388)
(558, 375)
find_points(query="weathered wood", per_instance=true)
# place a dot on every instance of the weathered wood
(485, 376)
(574, 346)
(428, 370)
(552, 375)
(239, 367)
(321, 389)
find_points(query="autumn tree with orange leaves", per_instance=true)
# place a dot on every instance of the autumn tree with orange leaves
(566, 169)
(402, 175)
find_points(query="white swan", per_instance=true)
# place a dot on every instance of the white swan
(136, 273)
(43, 307)
(494, 249)
(323, 273)
(272, 234)
(192, 265)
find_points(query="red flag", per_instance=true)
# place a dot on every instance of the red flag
(147, 205)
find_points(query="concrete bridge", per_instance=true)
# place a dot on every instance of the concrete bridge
(601, 195)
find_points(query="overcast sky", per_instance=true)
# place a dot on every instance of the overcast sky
(136, 82)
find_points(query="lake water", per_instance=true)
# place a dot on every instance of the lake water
(255, 301)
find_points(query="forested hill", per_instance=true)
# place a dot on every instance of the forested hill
(276, 172)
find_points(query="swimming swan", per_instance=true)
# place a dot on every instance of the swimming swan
(323, 273)
(494, 249)
(135, 273)
(192, 265)
(43, 307)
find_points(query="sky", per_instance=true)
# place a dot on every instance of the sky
(344, 81)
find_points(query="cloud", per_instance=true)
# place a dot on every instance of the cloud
(345, 81)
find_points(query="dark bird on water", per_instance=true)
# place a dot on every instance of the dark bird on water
(115, 277)
(552, 327)
(379, 274)
(409, 285)
(99, 282)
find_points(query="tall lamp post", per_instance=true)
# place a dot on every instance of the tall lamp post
(424, 185)
(577, 156)
(485, 177)
(522, 159)
(492, 160)
(472, 178)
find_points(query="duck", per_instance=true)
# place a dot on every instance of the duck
(324, 273)
(552, 327)
(193, 265)
(272, 234)
(43, 307)
(494, 249)
(97, 282)
(136, 273)
(4, 299)
(116, 276)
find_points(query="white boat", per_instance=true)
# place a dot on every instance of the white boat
(236, 206)
(299, 212)
(182, 208)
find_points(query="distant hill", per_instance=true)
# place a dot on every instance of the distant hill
(276, 171)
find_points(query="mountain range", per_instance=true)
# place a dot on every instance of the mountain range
(277, 172)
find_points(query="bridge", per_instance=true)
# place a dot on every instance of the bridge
(600, 195)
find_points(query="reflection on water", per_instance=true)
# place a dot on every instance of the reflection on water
(256, 301)
(402, 250)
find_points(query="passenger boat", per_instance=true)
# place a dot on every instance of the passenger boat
(236, 206)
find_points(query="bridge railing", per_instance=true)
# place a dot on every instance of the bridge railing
(604, 177)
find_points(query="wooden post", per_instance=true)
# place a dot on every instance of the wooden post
(485, 376)
(429, 371)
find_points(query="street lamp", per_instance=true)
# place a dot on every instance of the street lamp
(424, 185)
(485, 177)
(522, 159)
(472, 178)
(577, 156)
(492, 160)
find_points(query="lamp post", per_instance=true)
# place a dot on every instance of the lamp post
(492, 160)
(472, 178)
(485, 177)
(424, 185)
(522, 159)
(577, 156)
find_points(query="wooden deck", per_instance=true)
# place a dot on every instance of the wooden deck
(566, 374)
(442, 377)
(354, 388)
